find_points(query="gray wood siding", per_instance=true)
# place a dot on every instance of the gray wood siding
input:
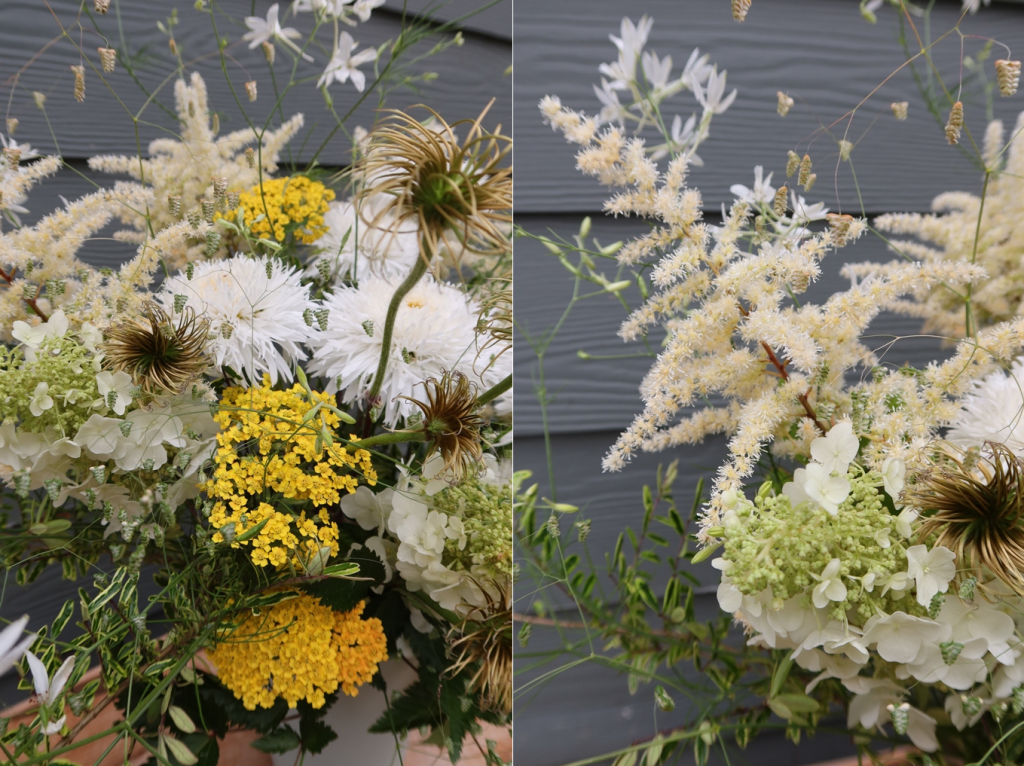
(467, 77)
(827, 58)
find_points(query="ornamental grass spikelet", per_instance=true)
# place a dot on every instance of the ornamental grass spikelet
(955, 123)
(899, 109)
(973, 501)
(443, 185)
(740, 8)
(1008, 75)
(451, 422)
(159, 353)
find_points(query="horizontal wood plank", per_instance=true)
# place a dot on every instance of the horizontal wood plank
(492, 18)
(819, 51)
(34, 57)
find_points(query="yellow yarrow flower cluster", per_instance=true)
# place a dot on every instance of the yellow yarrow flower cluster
(284, 202)
(264, 449)
(298, 649)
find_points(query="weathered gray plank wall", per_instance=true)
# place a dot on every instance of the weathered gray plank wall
(34, 57)
(828, 59)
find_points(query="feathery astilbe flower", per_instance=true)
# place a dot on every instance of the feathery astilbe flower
(973, 501)
(451, 422)
(442, 185)
(159, 353)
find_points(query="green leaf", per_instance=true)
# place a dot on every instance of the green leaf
(780, 675)
(281, 740)
(799, 703)
(315, 734)
(62, 618)
(706, 553)
(342, 594)
(250, 533)
(181, 719)
(180, 751)
(345, 569)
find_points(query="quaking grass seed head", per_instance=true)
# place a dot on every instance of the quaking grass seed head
(159, 352)
(445, 186)
(972, 502)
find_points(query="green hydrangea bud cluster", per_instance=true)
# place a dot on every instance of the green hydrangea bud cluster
(486, 513)
(66, 367)
(771, 543)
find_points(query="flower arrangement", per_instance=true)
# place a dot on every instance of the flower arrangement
(866, 527)
(273, 446)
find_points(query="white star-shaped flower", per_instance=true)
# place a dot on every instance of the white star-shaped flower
(827, 491)
(264, 30)
(830, 585)
(41, 400)
(344, 66)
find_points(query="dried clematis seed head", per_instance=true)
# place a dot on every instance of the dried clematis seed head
(740, 9)
(785, 104)
(1008, 75)
(108, 58)
(250, 89)
(792, 163)
(899, 109)
(805, 170)
(955, 123)
(79, 71)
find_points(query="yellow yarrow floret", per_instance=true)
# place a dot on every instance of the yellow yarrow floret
(284, 202)
(298, 649)
(265, 449)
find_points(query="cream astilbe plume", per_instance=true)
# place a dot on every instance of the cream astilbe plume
(43, 259)
(948, 235)
(734, 333)
(186, 168)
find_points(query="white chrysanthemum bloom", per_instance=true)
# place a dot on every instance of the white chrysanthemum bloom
(256, 314)
(356, 250)
(434, 331)
(993, 411)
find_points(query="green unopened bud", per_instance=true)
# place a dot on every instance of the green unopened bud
(664, 699)
(585, 227)
(551, 246)
(617, 287)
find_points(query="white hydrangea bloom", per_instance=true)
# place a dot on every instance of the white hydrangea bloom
(255, 307)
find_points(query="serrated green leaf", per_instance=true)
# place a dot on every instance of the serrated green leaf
(281, 740)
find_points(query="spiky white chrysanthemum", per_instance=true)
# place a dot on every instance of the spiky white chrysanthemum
(993, 411)
(434, 331)
(255, 307)
(355, 249)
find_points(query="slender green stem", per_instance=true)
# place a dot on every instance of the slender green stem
(396, 437)
(495, 391)
(389, 322)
